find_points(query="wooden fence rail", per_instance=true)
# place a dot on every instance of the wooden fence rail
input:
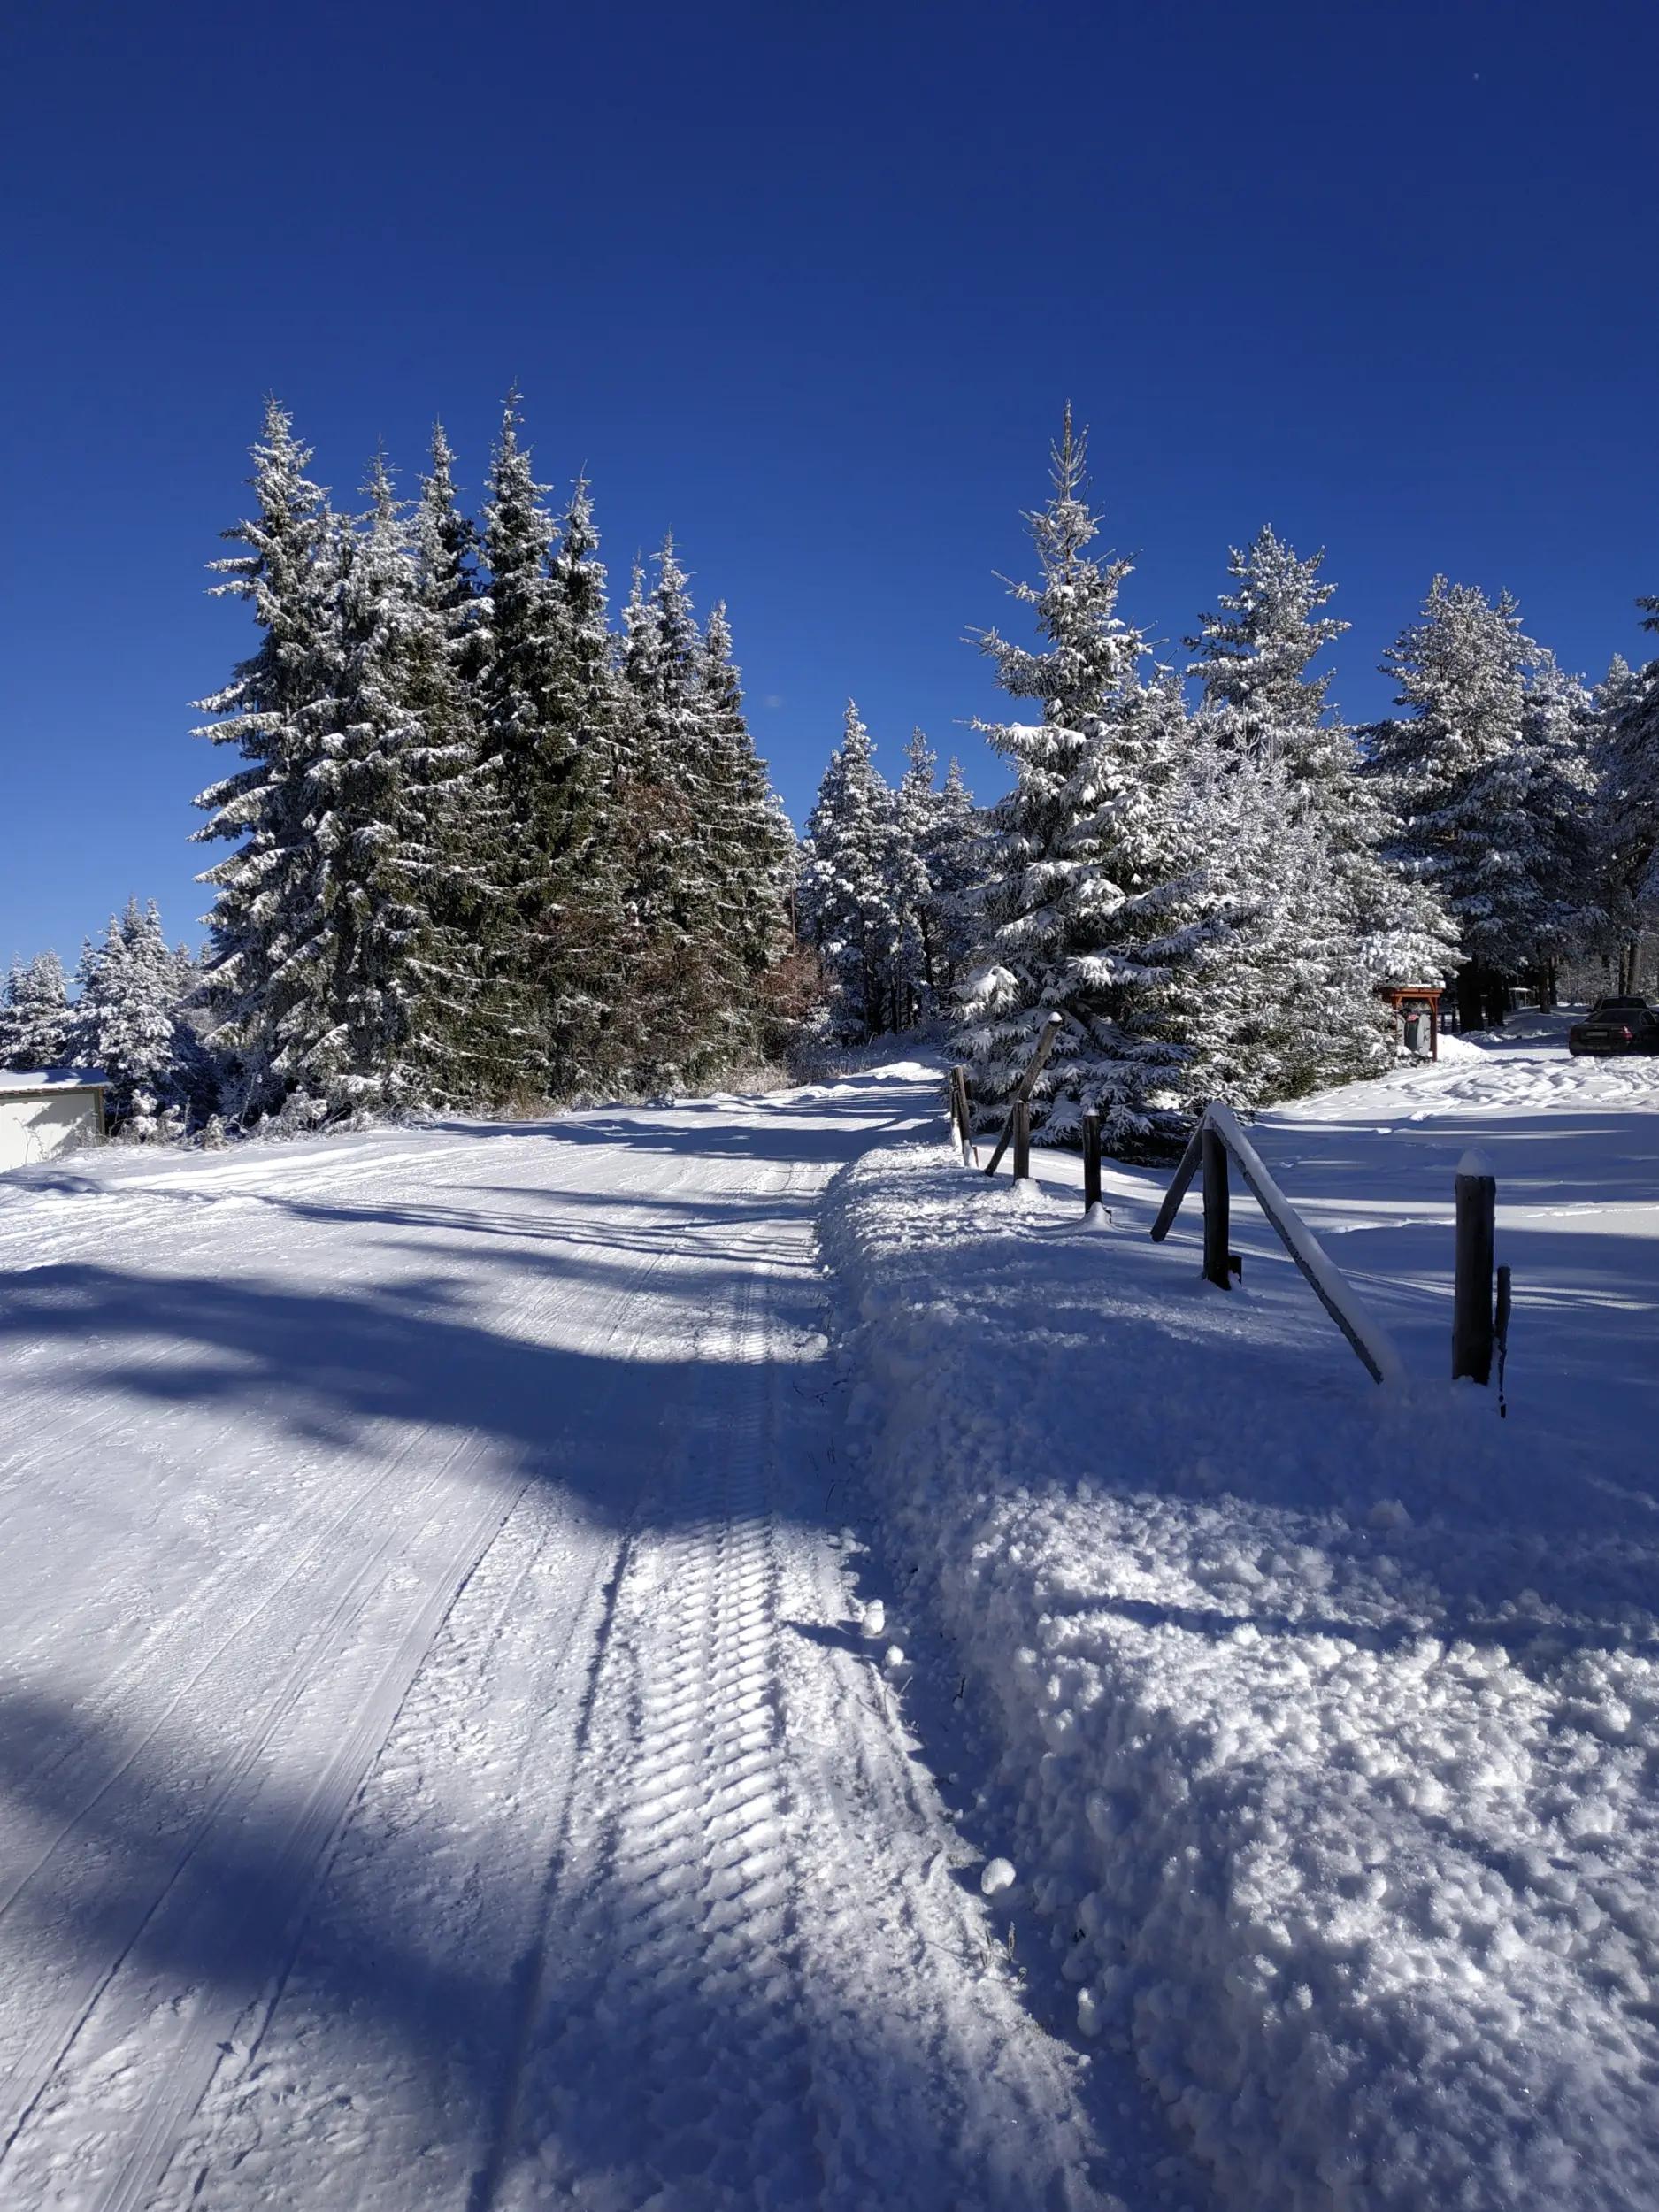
(1480, 1322)
(1218, 1138)
(1045, 1045)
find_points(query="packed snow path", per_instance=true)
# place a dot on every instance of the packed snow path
(436, 1766)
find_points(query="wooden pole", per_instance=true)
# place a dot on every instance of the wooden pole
(964, 1118)
(1045, 1045)
(1215, 1154)
(1476, 1193)
(1022, 1142)
(1091, 1162)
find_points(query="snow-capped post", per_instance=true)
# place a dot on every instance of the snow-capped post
(1045, 1045)
(1022, 1142)
(1216, 1223)
(1091, 1162)
(1476, 1192)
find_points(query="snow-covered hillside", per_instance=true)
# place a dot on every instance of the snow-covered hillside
(435, 1767)
(1327, 1715)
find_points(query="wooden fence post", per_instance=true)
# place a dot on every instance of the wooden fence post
(1216, 1226)
(1476, 1191)
(1050, 1031)
(959, 1111)
(1091, 1162)
(1022, 1142)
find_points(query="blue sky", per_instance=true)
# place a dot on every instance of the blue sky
(808, 286)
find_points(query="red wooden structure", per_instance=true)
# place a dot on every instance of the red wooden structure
(1417, 1012)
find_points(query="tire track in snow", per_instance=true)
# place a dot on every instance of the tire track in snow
(701, 2037)
(669, 1903)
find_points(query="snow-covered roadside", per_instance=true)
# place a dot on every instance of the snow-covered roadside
(1327, 1715)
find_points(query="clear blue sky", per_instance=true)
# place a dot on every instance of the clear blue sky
(809, 284)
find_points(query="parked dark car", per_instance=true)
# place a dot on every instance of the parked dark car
(1616, 1025)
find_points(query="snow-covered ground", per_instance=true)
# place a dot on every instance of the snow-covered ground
(440, 1767)
(436, 1765)
(1326, 1716)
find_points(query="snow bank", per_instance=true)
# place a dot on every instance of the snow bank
(1327, 1722)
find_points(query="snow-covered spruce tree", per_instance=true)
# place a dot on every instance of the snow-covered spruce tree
(751, 844)
(955, 854)
(920, 973)
(585, 940)
(36, 1025)
(263, 975)
(1458, 776)
(1339, 910)
(691, 993)
(847, 900)
(1558, 742)
(472, 1025)
(547, 761)
(1626, 737)
(1625, 830)
(387, 967)
(1099, 903)
(129, 1021)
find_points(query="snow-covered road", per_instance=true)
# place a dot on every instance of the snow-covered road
(435, 1767)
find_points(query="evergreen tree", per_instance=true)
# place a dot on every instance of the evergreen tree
(36, 1024)
(262, 970)
(1626, 735)
(847, 902)
(1458, 776)
(919, 964)
(1558, 744)
(955, 855)
(549, 720)
(681, 774)
(1254, 661)
(456, 850)
(1099, 903)
(752, 844)
(129, 1022)
(371, 1042)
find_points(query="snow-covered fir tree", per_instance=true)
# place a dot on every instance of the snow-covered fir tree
(1462, 784)
(36, 1024)
(550, 715)
(751, 844)
(1558, 743)
(1331, 916)
(849, 895)
(263, 963)
(691, 994)
(130, 1021)
(382, 969)
(472, 1020)
(1626, 738)
(1100, 902)
(1255, 659)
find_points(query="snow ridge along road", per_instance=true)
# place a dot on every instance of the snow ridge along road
(435, 1767)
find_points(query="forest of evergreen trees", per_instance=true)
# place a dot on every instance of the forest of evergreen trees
(1206, 872)
(483, 850)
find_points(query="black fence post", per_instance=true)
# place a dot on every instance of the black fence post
(1091, 1162)
(1217, 1269)
(1476, 1192)
(1022, 1142)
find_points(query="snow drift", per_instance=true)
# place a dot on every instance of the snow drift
(1332, 1779)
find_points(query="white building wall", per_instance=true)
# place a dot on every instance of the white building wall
(38, 1124)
